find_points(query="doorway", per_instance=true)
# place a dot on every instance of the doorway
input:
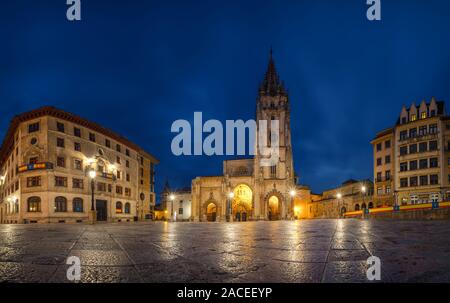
(102, 214)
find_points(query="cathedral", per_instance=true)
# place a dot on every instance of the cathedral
(247, 190)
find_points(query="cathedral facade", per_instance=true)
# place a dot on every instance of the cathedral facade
(247, 190)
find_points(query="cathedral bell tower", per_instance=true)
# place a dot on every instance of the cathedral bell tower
(273, 104)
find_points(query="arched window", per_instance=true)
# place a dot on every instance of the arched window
(60, 204)
(370, 205)
(77, 204)
(356, 207)
(119, 207)
(34, 204)
(363, 206)
(343, 210)
(127, 208)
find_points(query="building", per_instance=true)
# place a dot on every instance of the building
(47, 159)
(246, 190)
(352, 195)
(416, 161)
(384, 146)
(176, 203)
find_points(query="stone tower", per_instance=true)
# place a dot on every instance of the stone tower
(273, 104)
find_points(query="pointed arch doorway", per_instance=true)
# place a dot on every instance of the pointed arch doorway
(241, 207)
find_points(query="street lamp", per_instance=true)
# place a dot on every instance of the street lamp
(230, 210)
(92, 175)
(292, 193)
(339, 197)
(172, 198)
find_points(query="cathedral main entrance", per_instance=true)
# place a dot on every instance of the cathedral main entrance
(241, 208)
(211, 212)
(274, 208)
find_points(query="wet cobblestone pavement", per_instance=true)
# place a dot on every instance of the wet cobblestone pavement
(282, 251)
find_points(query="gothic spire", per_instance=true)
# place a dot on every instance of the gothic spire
(271, 85)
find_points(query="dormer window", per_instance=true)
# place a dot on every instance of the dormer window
(413, 117)
(423, 115)
(403, 120)
(433, 113)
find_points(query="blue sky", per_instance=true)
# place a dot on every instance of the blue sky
(136, 66)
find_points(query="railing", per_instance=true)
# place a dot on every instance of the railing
(433, 205)
(426, 136)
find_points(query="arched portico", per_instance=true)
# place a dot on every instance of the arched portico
(242, 203)
(210, 210)
(274, 205)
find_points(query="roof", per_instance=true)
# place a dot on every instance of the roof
(8, 141)
(271, 85)
(440, 106)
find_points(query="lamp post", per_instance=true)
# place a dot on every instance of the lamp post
(229, 208)
(92, 213)
(292, 193)
(172, 198)
(339, 197)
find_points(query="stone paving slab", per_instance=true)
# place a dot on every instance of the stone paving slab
(283, 251)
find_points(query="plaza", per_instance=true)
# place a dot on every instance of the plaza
(322, 250)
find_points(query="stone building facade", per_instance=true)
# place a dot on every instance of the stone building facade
(419, 157)
(44, 163)
(246, 190)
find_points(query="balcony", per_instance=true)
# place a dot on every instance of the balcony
(419, 137)
(34, 166)
(383, 179)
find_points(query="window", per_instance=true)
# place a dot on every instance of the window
(118, 207)
(128, 177)
(403, 135)
(127, 152)
(118, 148)
(33, 160)
(388, 175)
(356, 207)
(413, 148)
(127, 163)
(180, 211)
(77, 132)
(119, 189)
(101, 186)
(33, 127)
(34, 204)
(404, 182)
(448, 161)
(107, 143)
(92, 137)
(423, 163)
(34, 181)
(403, 150)
(413, 132)
(423, 115)
(379, 179)
(388, 190)
(273, 171)
(127, 191)
(60, 205)
(434, 179)
(414, 199)
(61, 181)
(78, 164)
(380, 191)
(433, 162)
(423, 147)
(109, 188)
(60, 127)
(413, 117)
(433, 129)
(413, 165)
(387, 144)
(422, 130)
(403, 120)
(61, 162)
(77, 183)
(77, 146)
(433, 145)
(433, 113)
(60, 142)
(423, 180)
(118, 174)
(379, 147)
(413, 181)
(387, 159)
(118, 160)
(127, 208)
(142, 160)
(379, 161)
(434, 198)
(77, 205)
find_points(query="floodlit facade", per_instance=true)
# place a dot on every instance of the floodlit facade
(46, 160)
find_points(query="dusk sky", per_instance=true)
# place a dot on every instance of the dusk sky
(136, 66)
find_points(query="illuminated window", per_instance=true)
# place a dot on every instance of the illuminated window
(423, 115)
(118, 207)
(77, 205)
(34, 204)
(127, 208)
(413, 117)
(60, 204)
